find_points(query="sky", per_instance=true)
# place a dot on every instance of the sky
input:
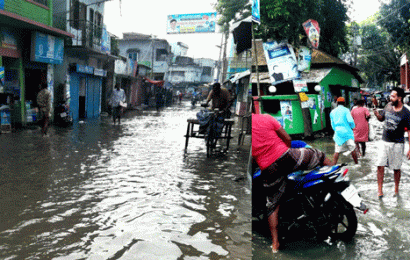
(150, 16)
(365, 8)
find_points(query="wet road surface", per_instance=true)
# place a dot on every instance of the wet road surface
(98, 191)
(383, 233)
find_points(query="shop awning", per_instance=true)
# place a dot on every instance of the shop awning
(239, 75)
(159, 83)
(17, 21)
(313, 76)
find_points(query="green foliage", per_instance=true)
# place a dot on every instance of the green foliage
(232, 11)
(283, 19)
(385, 37)
(394, 18)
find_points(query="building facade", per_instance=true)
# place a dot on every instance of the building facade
(85, 78)
(31, 49)
(147, 50)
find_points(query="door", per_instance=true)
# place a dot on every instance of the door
(82, 97)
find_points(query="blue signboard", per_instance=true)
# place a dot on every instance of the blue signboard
(256, 16)
(85, 69)
(1, 4)
(47, 48)
(105, 41)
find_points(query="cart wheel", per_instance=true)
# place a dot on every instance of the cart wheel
(210, 143)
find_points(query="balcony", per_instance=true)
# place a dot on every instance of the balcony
(88, 34)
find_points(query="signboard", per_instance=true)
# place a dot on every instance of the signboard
(84, 69)
(47, 48)
(8, 40)
(312, 31)
(281, 61)
(105, 41)
(1, 4)
(300, 86)
(256, 16)
(191, 23)
(100, 72)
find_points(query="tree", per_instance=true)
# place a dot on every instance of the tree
(394, 18)
(378, 57)
(385, 37)
(282, 20)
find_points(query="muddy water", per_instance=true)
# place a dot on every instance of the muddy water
(98, 191)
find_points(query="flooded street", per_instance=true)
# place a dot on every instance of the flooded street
(99, 191)
(383, 233)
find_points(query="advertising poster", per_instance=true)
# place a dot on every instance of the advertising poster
(281, 61)
(47, 48)
(256, 17)
(300, 85)
(304, 58)
(191, 23)
(2, 76)
(312, 31)
(105, 41)
(287, 113)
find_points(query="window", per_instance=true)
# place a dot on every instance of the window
(43, 2)
(133, 56)
(78, 14)
(75, 14)
(161, 55)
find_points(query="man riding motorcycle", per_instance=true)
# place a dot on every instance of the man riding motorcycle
(271, 151)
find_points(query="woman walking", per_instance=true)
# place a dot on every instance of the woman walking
(361, 116)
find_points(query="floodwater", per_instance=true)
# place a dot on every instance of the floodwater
(383, 233)
(99, 191)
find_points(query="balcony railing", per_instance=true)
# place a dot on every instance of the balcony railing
(88, 34)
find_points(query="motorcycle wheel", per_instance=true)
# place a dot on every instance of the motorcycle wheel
(343, 220)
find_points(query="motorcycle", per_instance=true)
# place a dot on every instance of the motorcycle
(62, 115)
(318, 204)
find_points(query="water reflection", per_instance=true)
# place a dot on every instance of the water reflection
(98, 191)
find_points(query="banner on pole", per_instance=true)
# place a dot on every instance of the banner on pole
(256, 15)
(312, 30)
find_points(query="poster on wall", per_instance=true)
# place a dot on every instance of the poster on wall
(47, 48)
(304, 58)
(191, 23)
(300, 86)
(287, 113)
(281, 61)
(2, 76)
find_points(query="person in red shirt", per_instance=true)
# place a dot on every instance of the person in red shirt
(271, 151)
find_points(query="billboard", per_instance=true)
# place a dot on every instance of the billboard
(281, 61)
(191, 23)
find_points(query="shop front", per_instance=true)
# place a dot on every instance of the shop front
(85, 91)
